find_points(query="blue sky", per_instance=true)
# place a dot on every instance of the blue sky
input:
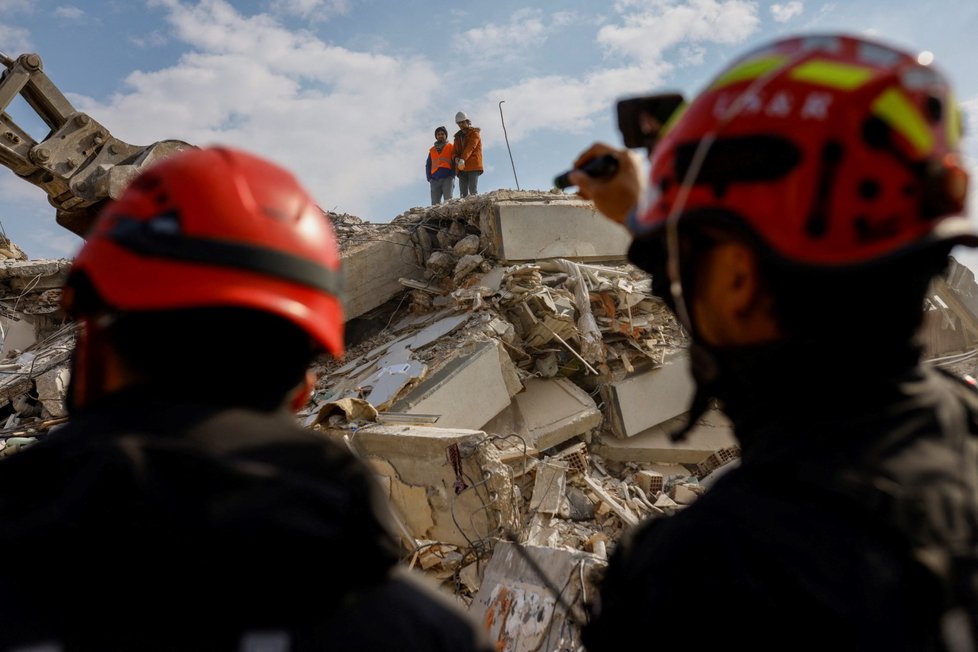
(347, 93)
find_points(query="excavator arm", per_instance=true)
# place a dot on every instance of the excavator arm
(79, 164)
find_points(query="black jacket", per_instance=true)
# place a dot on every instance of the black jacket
(850, 524)
(148, 524)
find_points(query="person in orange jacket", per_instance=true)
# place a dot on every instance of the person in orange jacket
(440, 167)
(468, 155)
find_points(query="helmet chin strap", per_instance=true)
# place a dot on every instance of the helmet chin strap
(703, 364)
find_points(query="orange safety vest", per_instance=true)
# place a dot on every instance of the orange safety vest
(442, 159)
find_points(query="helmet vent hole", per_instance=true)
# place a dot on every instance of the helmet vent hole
(869, 189)
(934, 109)
(876, 133)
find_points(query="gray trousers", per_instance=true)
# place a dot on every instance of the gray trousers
(441, 187)
(468, 183)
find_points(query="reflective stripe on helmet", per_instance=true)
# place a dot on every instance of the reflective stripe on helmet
(954, 127)
(145, 238)
(904, 118)
(832, 74)
(749, 70)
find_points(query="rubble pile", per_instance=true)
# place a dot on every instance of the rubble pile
(515, 386)
(509, 377)
(37, 342)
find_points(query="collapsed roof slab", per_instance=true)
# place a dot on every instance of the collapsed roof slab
(371, 270)
(419, 473)
(529, 231)
(546, 413)
(519, 610)
(646, 399)
(712, 433)
(467, 390)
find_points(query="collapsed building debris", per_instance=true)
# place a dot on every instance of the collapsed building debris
(518, 355)
(510, 378)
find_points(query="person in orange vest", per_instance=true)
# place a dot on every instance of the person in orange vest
(440, 167)
(468, 155)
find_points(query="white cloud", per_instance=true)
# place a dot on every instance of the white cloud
(311, 9)
(508, 41)
(154, 39)
(567, 103)
(68, 12)
(334, 116)
(12, 6)
(14, 40)
(642, 34)
(782, 13)
(562, 18)
(649, 27)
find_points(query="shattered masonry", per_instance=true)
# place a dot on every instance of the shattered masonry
(509, 378)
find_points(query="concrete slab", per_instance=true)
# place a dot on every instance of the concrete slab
(712, 433)
(563, 228)
(515, 607)
(421, 480)
(467, 391)
(647, 399)
(547, 412)
(18, 334)
(549, 487)
(371, 271)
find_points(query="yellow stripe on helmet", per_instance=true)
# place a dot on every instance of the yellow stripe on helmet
(902, 116)
(748, 70)
(954, 127)
(832, 74)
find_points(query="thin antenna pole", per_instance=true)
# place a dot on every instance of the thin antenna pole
(506, 136)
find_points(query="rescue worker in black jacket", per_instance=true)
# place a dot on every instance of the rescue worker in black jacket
(796, 212)
(182, 508)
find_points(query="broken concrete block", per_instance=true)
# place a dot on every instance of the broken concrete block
(524, 231)
(423, 479)
(467, 391)
(440, 263)
(665, 502)
(549, 487)
(542, 531)
(712, 433)
(647, 399)
(519, 611)
(466, 246)
(579, 506)
(548, 412)
(371, 271)
(18, 334)
(52, 387)
(466, 265)
(683, 495)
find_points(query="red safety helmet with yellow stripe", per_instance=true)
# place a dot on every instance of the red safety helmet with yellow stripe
(833, 150)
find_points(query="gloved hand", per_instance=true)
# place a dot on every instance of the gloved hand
(459, 164)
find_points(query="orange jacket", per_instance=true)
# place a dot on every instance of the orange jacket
(468, 147)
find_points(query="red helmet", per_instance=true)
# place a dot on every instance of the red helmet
(217, 227)
(833, 150)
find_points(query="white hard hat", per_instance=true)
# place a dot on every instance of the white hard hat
(460, 117)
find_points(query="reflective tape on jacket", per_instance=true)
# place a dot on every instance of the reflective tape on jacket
(442, 159)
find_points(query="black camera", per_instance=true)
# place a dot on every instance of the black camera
(640, 121)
